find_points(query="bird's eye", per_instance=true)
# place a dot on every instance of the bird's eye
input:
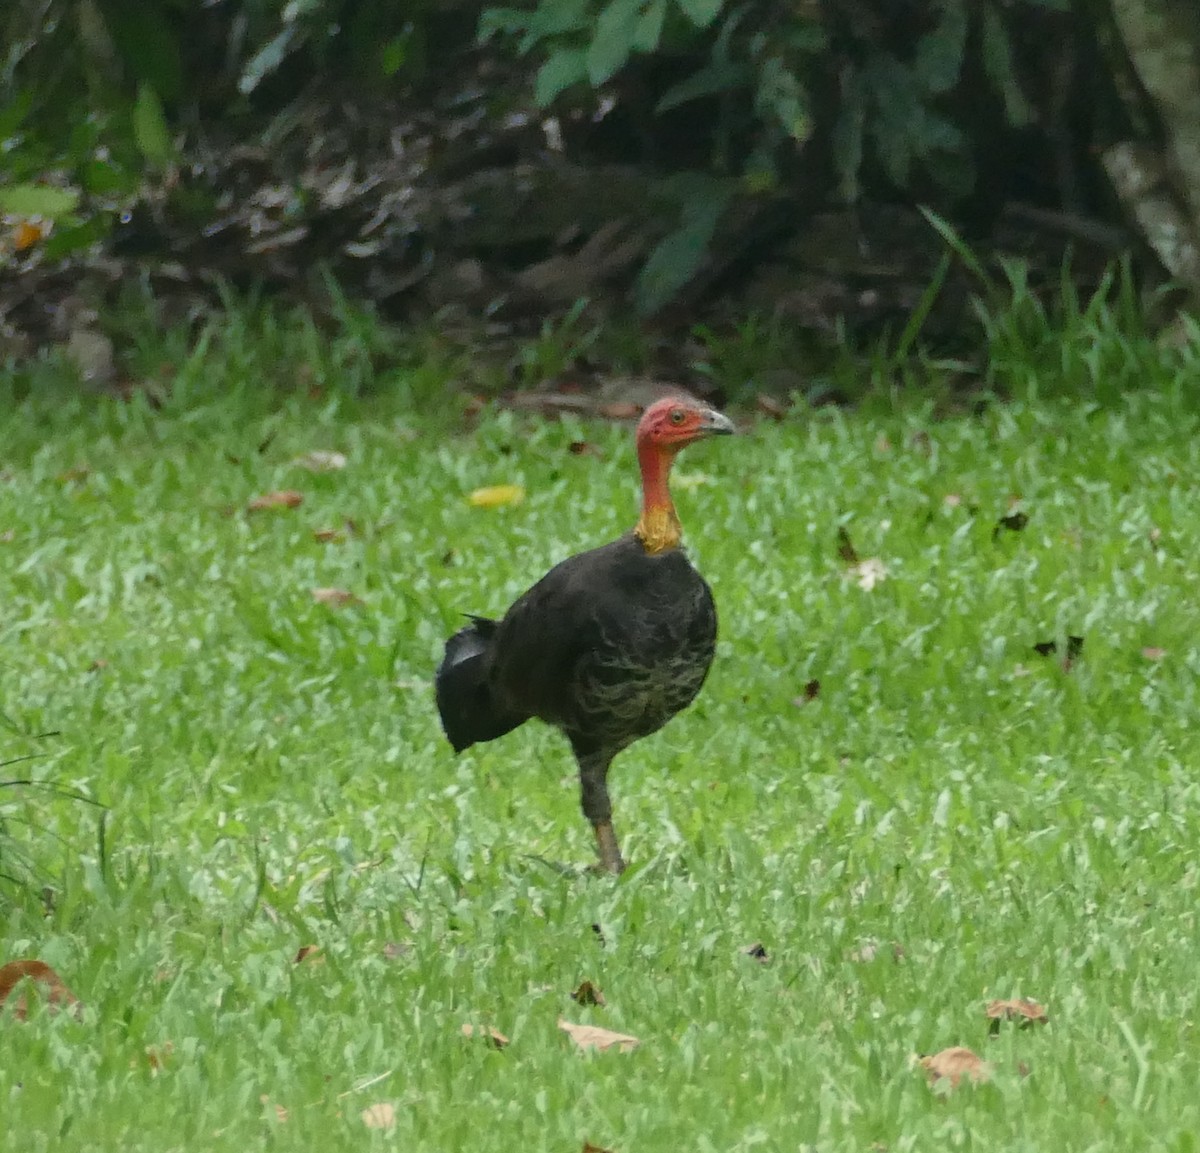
(677, 415)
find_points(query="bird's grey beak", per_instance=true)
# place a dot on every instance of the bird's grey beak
(716, 423)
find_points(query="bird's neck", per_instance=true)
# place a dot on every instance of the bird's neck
(658, 527)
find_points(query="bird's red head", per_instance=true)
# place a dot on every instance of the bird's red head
(674, 421)
(666, 426)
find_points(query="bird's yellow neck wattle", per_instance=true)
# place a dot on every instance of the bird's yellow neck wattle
(658, 527)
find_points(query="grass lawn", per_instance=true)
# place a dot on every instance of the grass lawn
(955, 817)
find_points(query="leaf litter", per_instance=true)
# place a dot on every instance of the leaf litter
(588, 994)
(866, 571)
(280, 499)
(39, 974)
(593, 1037)
(953, 1065)
(493, 1037)
(1021, 1010)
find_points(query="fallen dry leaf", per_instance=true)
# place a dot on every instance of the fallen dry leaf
(1014, 522)
(281, 1114)
(57, 994)
(284, 498)
(1153, 653)
(1022, 1010)
(307, 953)
(868, 573)
(320, 460)
(588, 994)
(1049, 648)
(758, 951)
(588, 1147)
(953, 1065)
(157, 1056)
(381, 1115)
(496, 496)
(593, 1037)
(393, 950)
(494, 1037)
(335, 597)
(952, 500)
(583, 448)
(327, 535)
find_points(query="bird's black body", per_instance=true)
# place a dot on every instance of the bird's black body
(608, 646)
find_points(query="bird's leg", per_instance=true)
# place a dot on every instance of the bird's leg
(593, 789)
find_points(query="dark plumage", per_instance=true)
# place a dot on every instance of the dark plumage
(608, 646)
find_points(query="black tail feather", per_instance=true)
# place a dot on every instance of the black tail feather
(464, 697)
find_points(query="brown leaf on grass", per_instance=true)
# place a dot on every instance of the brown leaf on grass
(381, 1115)
(588, 994)
(493, 1037)
(337, 597)
(953, 1065)
(1013, 522)
(283, 498)
(1153, 653)
(952, 500)
(320, 460)
(394, 950)
(39, 973)
(583, 448)
(308, 953)
(1074, 650)
(593, 1037)
(1022, 1010)
(328, 535)
(812, 690)
(158, 1056)
(759, 952)
(281, 1114)
(847, 553)
(588, 1147)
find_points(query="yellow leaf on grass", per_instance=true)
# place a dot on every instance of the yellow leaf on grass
(593, 1037)
(496, 496)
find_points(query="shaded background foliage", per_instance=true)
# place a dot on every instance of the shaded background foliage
(685, 157)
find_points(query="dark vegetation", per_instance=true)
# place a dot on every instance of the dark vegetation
(690, 163)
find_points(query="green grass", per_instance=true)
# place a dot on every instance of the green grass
(273, 775)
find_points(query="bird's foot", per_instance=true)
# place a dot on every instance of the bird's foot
(606, 844)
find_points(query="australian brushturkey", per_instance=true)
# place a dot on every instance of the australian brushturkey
(608, 646)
